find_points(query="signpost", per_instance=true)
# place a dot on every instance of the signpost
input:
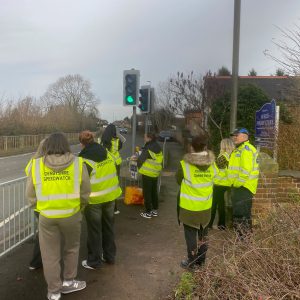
(266, 127)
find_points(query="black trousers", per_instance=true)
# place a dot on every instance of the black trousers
(196, 242)
(36, 260)
(150, 193)
(241, 210)
(218, 202)
(100, 230)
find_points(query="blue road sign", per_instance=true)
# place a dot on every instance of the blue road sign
(265, 125)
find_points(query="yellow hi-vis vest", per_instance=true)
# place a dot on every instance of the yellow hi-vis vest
(104, 181)
(114, 151)
(152, 166)
(28, 167)
(28, 172)
(222, 176)
(196, 188)
(243, 168)
(57, 193)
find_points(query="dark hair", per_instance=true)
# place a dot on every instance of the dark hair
(151, 135)
(199, 142)
(56, 143)
(109, 133)
(86, 137)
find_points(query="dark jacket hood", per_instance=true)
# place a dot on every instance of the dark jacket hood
(153, 146)
(94, 152)
(200, 159)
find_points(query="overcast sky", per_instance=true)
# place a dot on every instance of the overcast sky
(43, 40)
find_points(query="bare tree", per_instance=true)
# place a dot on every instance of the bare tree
(193, 93)
(163, 114)
(185, 93)
(71, 91)
(212, 90)
(289, 46)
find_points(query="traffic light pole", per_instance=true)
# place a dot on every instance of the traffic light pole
(146, 123)
(133, 129)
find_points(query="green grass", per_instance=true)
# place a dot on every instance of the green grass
(185, 287)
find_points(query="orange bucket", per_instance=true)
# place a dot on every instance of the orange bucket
(133, 195)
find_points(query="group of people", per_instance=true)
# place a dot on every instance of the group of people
(62, 187)
(203, 183)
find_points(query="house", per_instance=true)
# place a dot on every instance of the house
(276, 87)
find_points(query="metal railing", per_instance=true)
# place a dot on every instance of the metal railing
(16, 216)
(17, 223)
(12, 144)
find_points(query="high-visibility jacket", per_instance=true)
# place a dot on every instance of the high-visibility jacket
(28, 167)
(28, 172)
(222, 176)
(196, 188)
(104, 181)
(114, 151)
(243, 168)
(57, 193)
(152, 166)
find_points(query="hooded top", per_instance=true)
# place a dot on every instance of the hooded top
(57, 163)
(202, 160)
(94, 152)
(152, 146)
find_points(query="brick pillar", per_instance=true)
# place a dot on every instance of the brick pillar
(267, 187)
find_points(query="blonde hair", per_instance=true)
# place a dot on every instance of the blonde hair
(227, 146)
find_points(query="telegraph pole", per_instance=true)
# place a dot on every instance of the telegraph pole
(235, 63)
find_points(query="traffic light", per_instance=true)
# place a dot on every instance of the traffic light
(144, 105)
(131, 84)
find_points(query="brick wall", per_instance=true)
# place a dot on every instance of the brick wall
(265, 194)
(287, 188)
(274, 189)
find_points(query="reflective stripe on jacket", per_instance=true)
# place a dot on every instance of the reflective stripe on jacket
(28, 167)
(104, 181)
(114, 151)
(28, 172)
(57, 193)
(152, 166)
(196, 187)
(243, 168)
(222, 176)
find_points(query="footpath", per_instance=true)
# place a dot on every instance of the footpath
(148, 254)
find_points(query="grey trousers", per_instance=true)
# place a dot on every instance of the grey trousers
(52, 232)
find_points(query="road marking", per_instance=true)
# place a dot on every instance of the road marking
(19, 155)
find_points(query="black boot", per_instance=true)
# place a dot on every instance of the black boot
(201, 254)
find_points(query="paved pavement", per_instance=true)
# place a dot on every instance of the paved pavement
(148, 255)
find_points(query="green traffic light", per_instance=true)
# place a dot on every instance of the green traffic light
(129, 99)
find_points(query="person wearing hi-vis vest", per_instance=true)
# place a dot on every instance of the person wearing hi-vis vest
(150, 165)
(195, 175)
(113, 142)
(221, 184)
(99, 213)
(59, 186)
(36, 260)
(243, 172)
